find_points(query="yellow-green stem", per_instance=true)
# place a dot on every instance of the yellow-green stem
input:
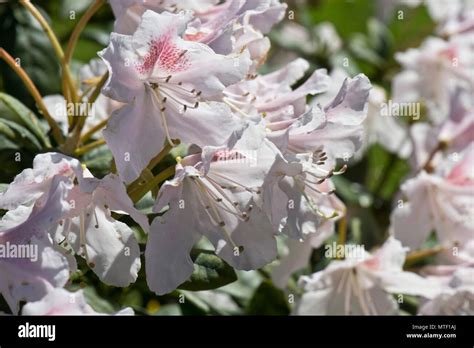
(162, 154)
(86, 148)
(140, 191)
(91, 100)
(419, 255)
(56, 131)
(147, 171)
(93, 130)
(79, 27)
(57, 48)
(342, 230)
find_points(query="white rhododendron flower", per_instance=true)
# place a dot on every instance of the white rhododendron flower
(452, 136)
(109, 246)
(213, 191)
(171, 87)
(255, 157)
(363, 284)
(34, 274)
(456, 297)
(440, 201)
(433, 71)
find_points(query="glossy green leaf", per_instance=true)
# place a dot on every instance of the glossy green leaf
(210, 272)
(21, 134)
(13, 110)
(261, 304)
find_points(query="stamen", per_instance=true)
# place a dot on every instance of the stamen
(82, 237)
(158, 98)
(235, 108)
(178, 100)
(225, 199)
(205, 192)
(320, 192)
(248, 189)
(358, 292)
(96, 220)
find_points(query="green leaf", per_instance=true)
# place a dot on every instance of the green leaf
(210, 272)
(24, 39)
(96, 302)
(145, 205)
(6, 131)
(21, 134)
(386, 172)
(268, 300)
(362, 49)
(13, 110)
(98, 161)
(169, 309)
(348, 17)
(412, 28)
(6, 143)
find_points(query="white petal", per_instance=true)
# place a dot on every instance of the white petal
(135, 135)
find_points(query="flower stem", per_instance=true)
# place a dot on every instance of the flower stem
(86, 148)
(56, 131)
(79, 27)
(342, 230)
(146, 174)
(98, 88)
(139, 191)
(69, 82)
(440, 146)
(419, 255)
(93, 130)
(166, 149)
(76, 134)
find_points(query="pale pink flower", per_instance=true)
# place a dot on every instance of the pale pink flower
(314, 230)
(337, 128)
(212, 195)
(363, 284)
(271, 96)
(30, 277)
(450, 137)
(440, 202)
(128, 13)
(455, 298)
(108, 245)
(433, 71)
(169, 85)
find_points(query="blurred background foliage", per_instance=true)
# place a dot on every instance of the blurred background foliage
(369, 38)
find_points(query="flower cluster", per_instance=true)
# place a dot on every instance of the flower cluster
(437, 195)
(259, 160)
(254, 160)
